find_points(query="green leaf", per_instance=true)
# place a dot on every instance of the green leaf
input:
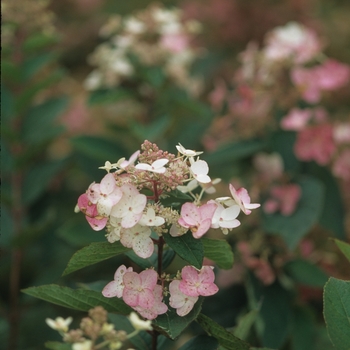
(219, 251)
(7, 104)
(234, 151)
(245, 324)
(303, 332)
(38, 178)
(337, 312)
(171, 325)
(333, 213)
(203, 342)
(25, 98)
(107, 96)
(55, 345)
(93, 254)
(38, 41)
(77, 299)
(275, 312)
(306, 273)
(38, 124)
(225, 338)
(292, 228)
(7, 227)
(32, 65)
(187, 247)
(153, 131)
(98, 148)
(344, 247)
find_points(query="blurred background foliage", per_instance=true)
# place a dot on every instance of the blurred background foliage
(55, 135)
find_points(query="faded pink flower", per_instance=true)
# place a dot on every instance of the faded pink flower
(131, 160)
(138, 238)
(138, 288)
(130, 207)
(174, 42)
(158, 307)
(96, 221)
(260, 267)
(283, 198)
(181, 302)
(197, 219)
(341, 167)
(341, 133)
(315, 143)
(296, 119)
(329, 76)
(116, 287)
(241, 197)
(292, 41)
(195, 283)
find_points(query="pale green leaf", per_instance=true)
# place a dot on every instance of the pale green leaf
(219, 251)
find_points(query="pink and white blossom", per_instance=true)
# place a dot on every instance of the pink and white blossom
(95, 220)
(242, 198)
(130, 207)
(115, 288)
(187, 152)
(131, 160)
(199, 170)
(158, 307)
(341, 166)
(138, 238)
(195, 283)
(296, 119)
(138, 288)
(197, 219)
(156, 167)
(181, 302)
(150, 219)
(225, 217)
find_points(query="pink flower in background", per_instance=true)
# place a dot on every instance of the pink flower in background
(329, 76)
(197, 219)
(241, 197)
(116, 287)
(296, 119)
(292, 41)
(315, 143)
(96, 221)
(269, 166)
(181, 302)
(341, 166)
(195, 283)
(158, 307)
(341, 133)
(260, 267)
(175, 42)
(283, 198)
(138, 288)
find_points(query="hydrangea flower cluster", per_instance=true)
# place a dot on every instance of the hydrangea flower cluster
(128, 204)
(152, 37)
(95, 332)
(289, 71)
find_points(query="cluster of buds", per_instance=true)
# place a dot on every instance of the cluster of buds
(128, 203)
(153, 37)
(95, 332)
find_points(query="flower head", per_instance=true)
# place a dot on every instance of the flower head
(195, 283)
(116, 287)
(197, 219)
(242, 198)
(181, 302)
(59, 324)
